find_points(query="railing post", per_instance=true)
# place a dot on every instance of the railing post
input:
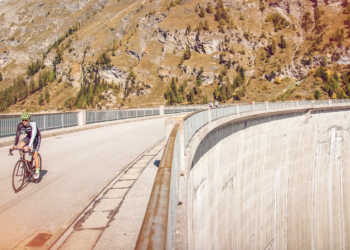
(237, 109)
(95, 115)
(62, 120)
(267, 105)
(209, 115)
(81, 118)
(161, 110)
(44, 122)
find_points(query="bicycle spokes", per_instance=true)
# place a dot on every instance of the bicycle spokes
(19, 174)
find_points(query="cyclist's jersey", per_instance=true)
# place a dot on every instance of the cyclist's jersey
(31, 130)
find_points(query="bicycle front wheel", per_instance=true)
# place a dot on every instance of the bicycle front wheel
(18, 176)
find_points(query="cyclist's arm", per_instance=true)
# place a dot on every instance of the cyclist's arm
(18, 134)
(34, 132)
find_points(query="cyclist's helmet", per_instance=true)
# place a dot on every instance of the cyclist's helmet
(25, 116)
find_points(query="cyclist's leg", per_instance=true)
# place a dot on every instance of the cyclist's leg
(36, 147)
(23, 143)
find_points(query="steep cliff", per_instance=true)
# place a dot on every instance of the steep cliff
(242, 50)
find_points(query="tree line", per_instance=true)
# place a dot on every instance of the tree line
(20, 89)
(90, 93)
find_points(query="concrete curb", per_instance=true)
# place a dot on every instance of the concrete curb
(8, 141)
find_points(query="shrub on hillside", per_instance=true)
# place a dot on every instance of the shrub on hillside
(210, 9)
(103, 59)
(278, 21)
(318, 94)
(202, 13)
(187, 54)
(307, 21)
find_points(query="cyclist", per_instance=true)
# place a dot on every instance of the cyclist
(32, 140)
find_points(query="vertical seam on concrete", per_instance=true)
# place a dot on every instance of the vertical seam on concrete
(342, 206)
(275, 214)
(313, 216)
(286, 213)
(330, 185)
(262, 183)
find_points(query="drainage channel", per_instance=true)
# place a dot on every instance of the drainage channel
(101, 211)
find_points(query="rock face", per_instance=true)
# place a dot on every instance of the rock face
(146, 37)
(331, 2)
(166, 73)
(205, 43)
(109, 98)
(344, 60)
(114, 74)
(76, 77)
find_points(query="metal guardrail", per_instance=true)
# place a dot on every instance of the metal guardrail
(8, 124)
(112, 115)
(182, 109)
(193, 122)
(160, 219)
(222, 111)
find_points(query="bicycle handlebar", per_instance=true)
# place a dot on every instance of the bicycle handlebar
(19, 149)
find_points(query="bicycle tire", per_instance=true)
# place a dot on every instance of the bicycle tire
(40, 164)
(18, 176)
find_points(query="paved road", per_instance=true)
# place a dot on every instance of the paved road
(75, 169)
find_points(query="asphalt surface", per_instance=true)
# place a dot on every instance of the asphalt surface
(76, 167)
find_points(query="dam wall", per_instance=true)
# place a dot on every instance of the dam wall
(276, 181)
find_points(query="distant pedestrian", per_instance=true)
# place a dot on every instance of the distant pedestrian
(210, 104)
(216, 103)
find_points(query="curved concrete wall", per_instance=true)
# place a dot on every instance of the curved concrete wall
(274, 182)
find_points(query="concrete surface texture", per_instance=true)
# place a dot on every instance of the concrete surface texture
(274, 182)
(76, 167)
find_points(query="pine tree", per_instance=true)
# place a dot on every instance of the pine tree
(210, 9)
(273, 47)
(187, 54)
(173, 86)
(40, 81)
(206, 25)
(218, 15)
(40, 101)
(283, 42)
(205, 100)
(199, 80)
(190, 97)
(47, 95)
(202, 13)
(31, 86)
(336, 76)
(324, 61)
(200, 26)
(317, 94)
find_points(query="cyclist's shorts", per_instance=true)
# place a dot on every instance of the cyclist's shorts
(36, 143)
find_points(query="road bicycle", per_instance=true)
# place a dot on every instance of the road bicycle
(24, 169)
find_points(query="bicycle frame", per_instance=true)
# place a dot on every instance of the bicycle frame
(27, 168)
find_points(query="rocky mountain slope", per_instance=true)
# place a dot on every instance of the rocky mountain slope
(111, 53)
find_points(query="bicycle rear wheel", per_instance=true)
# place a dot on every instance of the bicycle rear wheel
(34, 167)
(18, 176)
